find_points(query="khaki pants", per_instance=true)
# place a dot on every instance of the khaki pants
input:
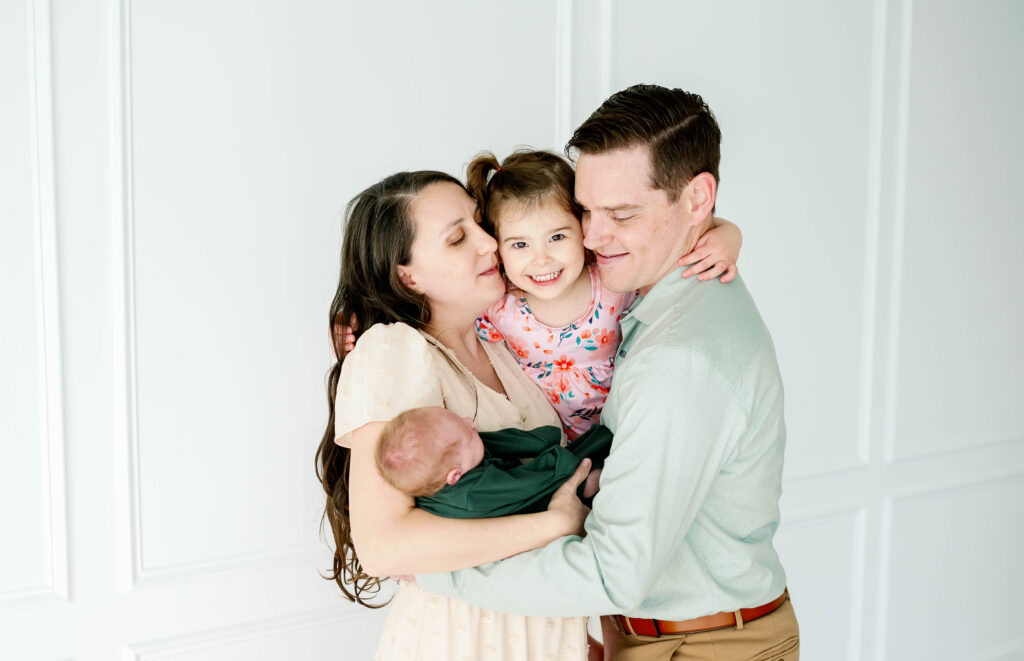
(774, 637)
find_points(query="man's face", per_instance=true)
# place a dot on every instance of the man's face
(635, 232)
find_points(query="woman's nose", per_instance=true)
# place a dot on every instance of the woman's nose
(485, 242)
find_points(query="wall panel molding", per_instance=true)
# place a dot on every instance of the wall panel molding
(186, 571)
(32, 596)
(883, 551)
(54, 587)
(563, 73)
(897, 221)
(133, 571)
(45, 204)
(857, 517)
(912, 508)
(130, 532)
(1006, 651)
(213, 638)
(872, 239)
(607, 47)
(954, 486)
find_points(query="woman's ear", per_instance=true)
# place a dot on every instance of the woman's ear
(405, 276)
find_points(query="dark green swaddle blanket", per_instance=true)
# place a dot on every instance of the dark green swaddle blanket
(503, 485)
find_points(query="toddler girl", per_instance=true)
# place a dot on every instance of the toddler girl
(558, 320)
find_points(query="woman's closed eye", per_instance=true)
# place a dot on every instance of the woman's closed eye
(458, 239)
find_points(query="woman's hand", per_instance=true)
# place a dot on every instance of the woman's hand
(568, 509)
(716, 253)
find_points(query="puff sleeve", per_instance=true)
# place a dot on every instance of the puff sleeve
(390, 370)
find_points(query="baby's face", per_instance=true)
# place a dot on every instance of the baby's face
(469, 448)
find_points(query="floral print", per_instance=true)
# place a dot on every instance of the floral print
(573, 365)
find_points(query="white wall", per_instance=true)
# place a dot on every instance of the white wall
(171, 180)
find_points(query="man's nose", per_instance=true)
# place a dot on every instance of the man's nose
(593, 233)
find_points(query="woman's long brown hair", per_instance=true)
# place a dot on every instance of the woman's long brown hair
(379, 233)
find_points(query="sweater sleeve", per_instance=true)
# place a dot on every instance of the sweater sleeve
(390, 370)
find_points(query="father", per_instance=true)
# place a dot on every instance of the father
(679, 541)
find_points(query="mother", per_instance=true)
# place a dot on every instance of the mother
(417, 270)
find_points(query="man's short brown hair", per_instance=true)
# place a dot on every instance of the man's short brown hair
(676, 126)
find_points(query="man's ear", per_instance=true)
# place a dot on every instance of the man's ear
(453, 476)
(700, 197)
(405, 276)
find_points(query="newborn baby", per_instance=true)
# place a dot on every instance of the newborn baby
(452, 470)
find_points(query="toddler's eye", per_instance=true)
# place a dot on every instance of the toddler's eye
(557, 237)
(519, 244)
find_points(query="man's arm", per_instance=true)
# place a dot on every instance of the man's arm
(673, 432)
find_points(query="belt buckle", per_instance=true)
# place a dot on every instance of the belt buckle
(627, 625)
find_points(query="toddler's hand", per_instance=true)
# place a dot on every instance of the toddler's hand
(408, 578)
(345, 337)
(716, 253)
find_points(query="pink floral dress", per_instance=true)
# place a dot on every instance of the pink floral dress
(572, 365)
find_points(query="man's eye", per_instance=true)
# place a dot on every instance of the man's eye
(519, 244)
(621, 219)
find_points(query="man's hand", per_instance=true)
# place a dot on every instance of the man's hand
(567, 506)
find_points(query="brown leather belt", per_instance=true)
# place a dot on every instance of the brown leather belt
(643, 627)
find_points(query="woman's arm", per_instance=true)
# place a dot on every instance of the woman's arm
(716, 252)
(392, 536)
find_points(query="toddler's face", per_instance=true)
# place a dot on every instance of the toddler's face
(542, 249)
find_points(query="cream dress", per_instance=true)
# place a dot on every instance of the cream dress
(394, 368)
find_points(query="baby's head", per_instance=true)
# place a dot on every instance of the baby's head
(423, 449)
(528, 202)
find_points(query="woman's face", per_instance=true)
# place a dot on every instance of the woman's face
(454, 262)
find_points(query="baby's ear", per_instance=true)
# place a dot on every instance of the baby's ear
(453, 476)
